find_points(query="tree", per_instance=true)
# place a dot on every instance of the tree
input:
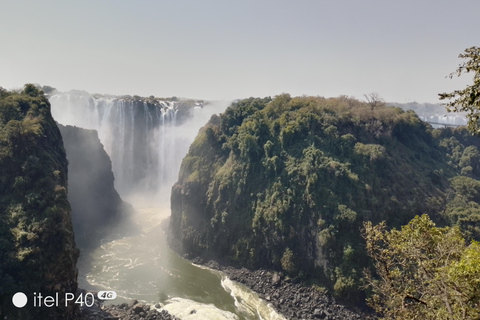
(48, 89)
(3, 93)
(467, 99)
(31, 90)
(374, 100)
(424, 272)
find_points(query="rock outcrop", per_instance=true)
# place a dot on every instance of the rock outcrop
(286, 184)
(96, 205)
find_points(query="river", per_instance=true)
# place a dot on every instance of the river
(143, 267)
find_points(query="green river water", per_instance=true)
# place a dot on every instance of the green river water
(143, 267)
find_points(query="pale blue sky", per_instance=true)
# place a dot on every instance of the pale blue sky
(403, 50)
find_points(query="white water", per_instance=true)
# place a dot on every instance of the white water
(248, 302)
(142, 139)
(142, 266)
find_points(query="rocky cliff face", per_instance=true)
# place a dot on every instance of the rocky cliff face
(96, 205)
(37, 248)
(287, 183)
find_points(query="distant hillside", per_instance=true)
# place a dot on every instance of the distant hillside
(436, 113)
(286, 183)
(420, 108)
(37, 248)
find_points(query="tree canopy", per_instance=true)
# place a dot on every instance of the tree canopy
(467, 99)
(424, 272)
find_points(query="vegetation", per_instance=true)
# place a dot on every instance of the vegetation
(467, 99)
(424, 272)
(286, 183)
(37, 249)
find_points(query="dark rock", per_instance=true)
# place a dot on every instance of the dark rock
(90, 177)
(318, 314)
(135, 311)
(293, 300)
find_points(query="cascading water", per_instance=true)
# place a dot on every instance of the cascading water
(139, 135)
(146, 140)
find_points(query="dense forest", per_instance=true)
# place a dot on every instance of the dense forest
(287, 183)
(37, 248)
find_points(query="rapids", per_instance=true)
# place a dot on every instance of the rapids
(143, 267)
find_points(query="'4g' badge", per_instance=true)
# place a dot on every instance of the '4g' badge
(106, 295)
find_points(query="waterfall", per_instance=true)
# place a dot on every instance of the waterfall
(146, 138)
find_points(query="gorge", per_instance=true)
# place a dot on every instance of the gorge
(279, 185)
(146, 139)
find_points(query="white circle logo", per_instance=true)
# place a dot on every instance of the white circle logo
(19, 299)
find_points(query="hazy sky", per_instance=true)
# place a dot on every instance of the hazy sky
(226, 49)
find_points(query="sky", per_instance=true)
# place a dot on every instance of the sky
(225, 49)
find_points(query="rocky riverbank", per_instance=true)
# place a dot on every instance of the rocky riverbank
(133, 311)
(292, 300)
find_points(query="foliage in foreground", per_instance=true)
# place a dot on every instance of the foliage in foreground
(467, 99)
(424, 272)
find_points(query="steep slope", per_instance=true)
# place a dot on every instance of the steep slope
(286, 184)
(37, 248)
(95, 203)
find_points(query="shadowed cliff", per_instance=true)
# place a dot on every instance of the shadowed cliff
(96, 205)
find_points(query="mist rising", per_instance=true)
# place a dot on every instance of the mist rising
(146, 138)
